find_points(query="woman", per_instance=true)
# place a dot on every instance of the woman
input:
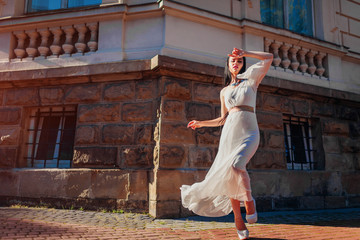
(227, 181)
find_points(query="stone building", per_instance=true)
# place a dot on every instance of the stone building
(95, 97)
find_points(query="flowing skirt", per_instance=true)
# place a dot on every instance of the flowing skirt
(238, 143)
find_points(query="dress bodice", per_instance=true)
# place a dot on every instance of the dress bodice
(245, 92)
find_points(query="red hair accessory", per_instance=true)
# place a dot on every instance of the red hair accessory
(236, 53)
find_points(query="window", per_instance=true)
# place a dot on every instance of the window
(300, 144)
(46, 5)
(51, 137)
(294, 15)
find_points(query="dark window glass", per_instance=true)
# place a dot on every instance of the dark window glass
(294, 15)
(47, 5)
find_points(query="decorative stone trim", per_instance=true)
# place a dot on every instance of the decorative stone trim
(296, 59)
(57, 41)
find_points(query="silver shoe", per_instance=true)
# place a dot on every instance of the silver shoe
(243, 234)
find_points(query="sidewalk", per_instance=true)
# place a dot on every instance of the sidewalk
(42, 223)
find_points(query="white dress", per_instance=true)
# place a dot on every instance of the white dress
(238, 142)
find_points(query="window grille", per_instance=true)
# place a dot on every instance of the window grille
(48, 5)
(299, 151)
(51, 137)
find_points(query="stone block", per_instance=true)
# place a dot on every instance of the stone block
(322, 109)
(335, 127)
(265, 159)
(9, 135)
(137, 157)
(312, 202)
(172, 156)
(10, 116)
(200, 157)
(208, 136)
(147, 89)
(83, 93)
(87, 134)
(275, 139)
(109, 184)
(9, 183)
(269, 120)
(178, 89)
(119, 91)
(118, 134)
(331, 144)
(138, 185)
(349, 145)
(21, 96)
(265, 183)
(99, 113)
(168, 182)
(198, 111)
(347, 113)
(176, 133)
(335, 202)
(339, 162)
(276, 103)
(164, 209)
(288, 203)
(173, 110)
(354, 201)
(319, 183)
(301, 107)
(350, 182)
(53, 95)
(354, 128)
(334, 185)
(78, 183)
(208, 93)
(94, 156)
(1, 96)
(137, 112)
(144, 134)
(7, 157)
(295, 184)
(45, 183)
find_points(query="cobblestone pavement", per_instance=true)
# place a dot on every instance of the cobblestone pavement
(42, 223)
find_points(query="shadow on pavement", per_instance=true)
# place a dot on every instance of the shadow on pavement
(333, 218)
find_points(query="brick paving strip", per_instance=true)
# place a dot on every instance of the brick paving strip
(42, 223)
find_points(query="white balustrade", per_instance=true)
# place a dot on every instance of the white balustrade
(296, 58)
(56, 41)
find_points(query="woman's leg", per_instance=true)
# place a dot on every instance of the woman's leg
(239, 222)
(245, 185)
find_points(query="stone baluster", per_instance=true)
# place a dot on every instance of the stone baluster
(267, 43)
(93, 44)
(80, 44)
(275, 48)
(312, 68)
(68, 46)
(43, 48)
(31, 50)
(20, 48)
(294, 62)
(55, 47)
(285, 62)
(303, 65)
(319, 63)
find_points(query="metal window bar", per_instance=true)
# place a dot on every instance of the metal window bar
(293, 153)
(39, 137)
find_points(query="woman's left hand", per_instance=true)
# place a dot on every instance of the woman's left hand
(193, 124)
